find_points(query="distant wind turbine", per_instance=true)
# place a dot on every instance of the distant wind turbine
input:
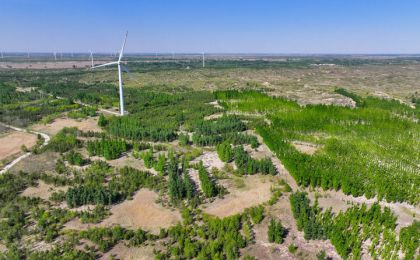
(91, 57)
(120, 68)
(55, 55)
(204, 61)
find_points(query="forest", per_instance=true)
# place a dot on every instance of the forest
(360, 148)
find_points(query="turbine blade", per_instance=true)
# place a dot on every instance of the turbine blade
(123, 46)
(106, 64)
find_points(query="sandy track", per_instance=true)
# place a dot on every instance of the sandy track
(15, 161)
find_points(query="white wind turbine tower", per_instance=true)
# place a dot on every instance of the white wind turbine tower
(91, 57)
(204, 61)
(120, 68)
(55, 55)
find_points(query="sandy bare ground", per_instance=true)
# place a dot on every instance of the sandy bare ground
(11, 143)
(46, 65)
(129, 161)
(44, 162)
(121, 251)
(213, 116)
(140, 212)
(3, 248)
(305, 147)
(89, 124)
(255, 191)
(43, 190)
(210, 159)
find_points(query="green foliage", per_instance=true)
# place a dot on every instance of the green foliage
(370, 150)
(64, 140)
(256, 214)
(410, 239)
(306, 216)
(184, 139)
(95, 216)
(347, 230)
(108, 148)
(106, 238)
(359, 101)
(24, 113)
(49, 222)
(292, 248)
(276, 232)
(81, 195)
(247, 165)
(74, 158)
(208, 185)
(225, 151)
(102, 121)
(180, 184)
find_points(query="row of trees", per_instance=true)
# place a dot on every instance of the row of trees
(208, 185)
(82, 195)
(306, 216)
(180, 185)
(276, 232)
(108, 148)
(247, 165)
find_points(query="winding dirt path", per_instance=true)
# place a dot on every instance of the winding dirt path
(23, 156)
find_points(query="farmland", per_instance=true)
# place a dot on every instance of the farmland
(252, 158)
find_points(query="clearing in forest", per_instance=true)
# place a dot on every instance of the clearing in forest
(89, 124)
(255, 190)
(43, 190)
(140, 212)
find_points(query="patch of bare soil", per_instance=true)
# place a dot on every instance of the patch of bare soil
(216, 104)
(140, 212)
(89, 124)
(255, 190)
(44, 162)
(263, 249)
(45, 65)
(305, 147)
(213, 116)
(210, 159)
(10, 144)
(311, 96)
(129, 161)
(3, 248)
(43, 190)
(121, 251)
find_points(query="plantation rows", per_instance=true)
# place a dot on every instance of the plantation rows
(358, 224)
(370, 150)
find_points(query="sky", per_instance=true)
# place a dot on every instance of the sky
(212, 26)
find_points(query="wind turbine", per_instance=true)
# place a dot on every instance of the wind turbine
(120, 68)
(204, 61)
(55, 55)
(91, 57)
